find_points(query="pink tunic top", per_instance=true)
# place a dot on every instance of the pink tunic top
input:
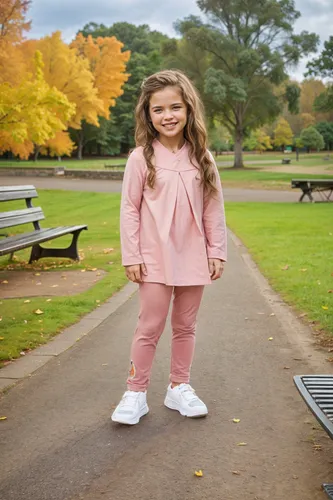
(172, 228)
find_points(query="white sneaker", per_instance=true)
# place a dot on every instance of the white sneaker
(184, 399)
(131, 408)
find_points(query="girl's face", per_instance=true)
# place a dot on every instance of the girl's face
(168, 112)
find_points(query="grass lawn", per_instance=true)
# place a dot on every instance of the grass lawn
(311, 159)
(293, 247)
(250, 178)
(69, 163)
(21, 328)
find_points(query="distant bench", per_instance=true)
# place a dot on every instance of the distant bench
(317, 392)
(11, 244)
(322, 186)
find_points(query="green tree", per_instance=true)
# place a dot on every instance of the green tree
(326, 130)
(283, 135)
(258, 140)
(312, 139)
(146, 58)
(250, 46)
(323, 66)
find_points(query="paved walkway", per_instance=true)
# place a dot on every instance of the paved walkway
(104, 186)
(58, 442)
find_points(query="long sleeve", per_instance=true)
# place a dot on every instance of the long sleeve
(131, 197)
(214, 222)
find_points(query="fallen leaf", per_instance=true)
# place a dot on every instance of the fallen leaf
(295, 477)
(329, 291)
(83, 270)
(303, 270)
(2, 338)
(48, 300)
(272, 314)
(38, 311)
(4, 282)
(198, 473)
(3, 418)
(54, 286)
(236, 420)
(325, 308)
(37, 274)
(285, 268)
(27, 301)
(236, 472)
(317, 447)
(286, 367)
(260, 313)
(105, 364)
(241, 444)
(108, 250)
(270, 338)
(93, 269)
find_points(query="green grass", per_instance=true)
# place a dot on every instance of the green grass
(21, 328)
(296, 235)
(258, 179)
(312, 159)
(66, 162)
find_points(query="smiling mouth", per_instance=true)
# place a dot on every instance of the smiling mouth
(170, 124)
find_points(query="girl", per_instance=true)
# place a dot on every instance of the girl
(173, 236)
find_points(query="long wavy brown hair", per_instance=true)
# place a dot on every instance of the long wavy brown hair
(194, 132)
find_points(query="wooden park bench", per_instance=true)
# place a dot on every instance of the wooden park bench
(317, 392)
(286, 161)
(12, 243)
(322, 186)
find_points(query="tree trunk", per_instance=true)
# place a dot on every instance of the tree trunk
(36, 153)
(80, 144)
(238, 162)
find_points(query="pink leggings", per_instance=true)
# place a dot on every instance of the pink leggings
(154, 306)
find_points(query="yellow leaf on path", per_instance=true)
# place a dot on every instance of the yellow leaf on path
(37, 274)
(242, 444)
(27, 301)
(93, 269)
(4, 282)
(325, 308)
(198, 473)
(236, 420)
(236, 472)
(48, 300)
(83, 270)
(54, 286)
(3, 418)
(270, 338)
(38, 311)
(2, 338)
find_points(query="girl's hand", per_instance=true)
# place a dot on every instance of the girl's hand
(216, 268)
(134, 273)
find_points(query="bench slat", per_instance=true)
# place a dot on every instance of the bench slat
(318, 409)
(19, 242)
(10, 193)
(18, 217)
(328, 488)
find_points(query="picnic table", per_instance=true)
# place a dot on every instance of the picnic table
(308, 186)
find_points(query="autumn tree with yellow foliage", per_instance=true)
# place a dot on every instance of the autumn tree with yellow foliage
(31, 112)
(108, 65)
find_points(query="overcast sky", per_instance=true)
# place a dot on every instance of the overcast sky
(69, 16)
